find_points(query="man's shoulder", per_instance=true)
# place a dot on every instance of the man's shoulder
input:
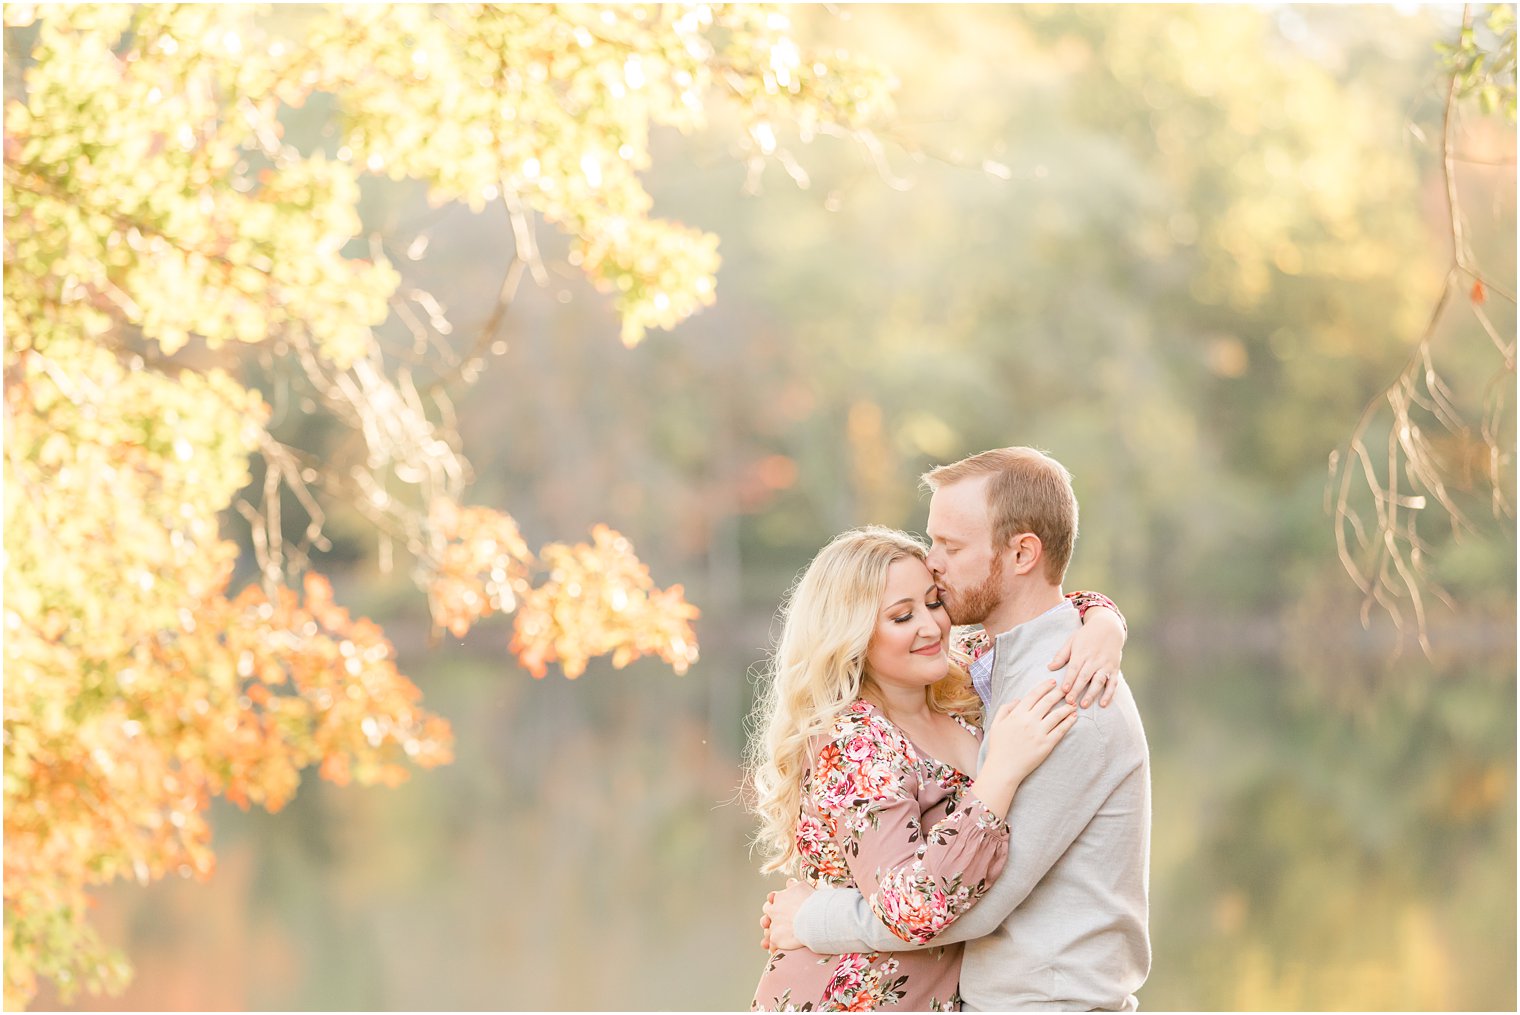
(1108, 735)
(1119, 725)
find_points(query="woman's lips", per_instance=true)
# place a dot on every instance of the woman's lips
(929, 650)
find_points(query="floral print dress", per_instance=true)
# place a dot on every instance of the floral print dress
(881, 816)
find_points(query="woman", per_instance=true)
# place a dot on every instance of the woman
(866, 738)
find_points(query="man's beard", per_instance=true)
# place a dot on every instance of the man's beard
(973, 605)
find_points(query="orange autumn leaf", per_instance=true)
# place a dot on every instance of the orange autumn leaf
(599, 600)
(596, 599)
(137, 688)
(480, 568)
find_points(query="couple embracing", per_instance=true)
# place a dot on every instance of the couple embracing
(968, 827)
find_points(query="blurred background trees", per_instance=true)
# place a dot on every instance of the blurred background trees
(1181, 248)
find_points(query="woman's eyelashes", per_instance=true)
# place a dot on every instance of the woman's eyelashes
(937, 604)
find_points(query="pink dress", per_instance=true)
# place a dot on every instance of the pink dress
(881, 816)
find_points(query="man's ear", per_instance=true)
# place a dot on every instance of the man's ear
(1026, 551)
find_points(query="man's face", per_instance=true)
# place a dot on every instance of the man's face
(961, 555)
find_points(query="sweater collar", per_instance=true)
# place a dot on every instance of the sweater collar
(1054, 621)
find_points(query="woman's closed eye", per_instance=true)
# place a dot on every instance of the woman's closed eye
(936, 605)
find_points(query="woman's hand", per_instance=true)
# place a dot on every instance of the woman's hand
(1091, 657)
(777, 930)
(1019, 738)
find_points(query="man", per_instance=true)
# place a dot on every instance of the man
(1065, 925)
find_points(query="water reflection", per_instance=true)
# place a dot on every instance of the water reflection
(582, 854)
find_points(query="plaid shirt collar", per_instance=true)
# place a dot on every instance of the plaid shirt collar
(977, 647)
(981, 674)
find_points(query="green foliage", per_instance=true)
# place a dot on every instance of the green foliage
(142, 205)
(1181, 289)
(1482, 61)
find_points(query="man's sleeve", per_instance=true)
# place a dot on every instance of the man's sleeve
(1049, 811)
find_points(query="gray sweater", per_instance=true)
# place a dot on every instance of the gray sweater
(1064, 927)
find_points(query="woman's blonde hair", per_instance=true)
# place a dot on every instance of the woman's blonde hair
(818, 670)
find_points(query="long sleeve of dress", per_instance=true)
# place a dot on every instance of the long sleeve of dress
(1085, 600)
(916, 879)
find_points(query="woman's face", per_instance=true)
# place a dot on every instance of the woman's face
(909, 647)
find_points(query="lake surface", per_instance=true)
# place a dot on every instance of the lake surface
(1333, 841)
